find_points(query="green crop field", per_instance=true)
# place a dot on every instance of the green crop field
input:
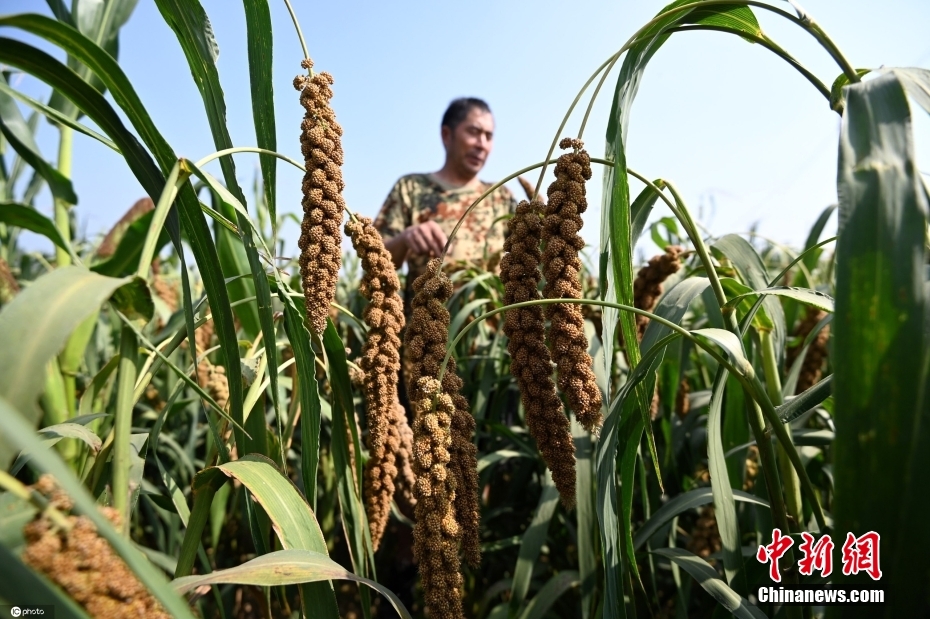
(192, 426)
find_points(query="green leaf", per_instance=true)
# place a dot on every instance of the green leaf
(810, 259)
(14, 129)
(533, 539)
(882, 447)
(57, 116)
(803, 402)
(734, 16)
(259, 34)
(100, 21)
(195, 34)
(616, 534)
(27, 218)
(642, 207)
(21, 435)
(134, 300)
(34, 327)
(706, 576)
(63, 79)
(54, 433)
(820, 300)
(125, 259)
(286, 567)
(307, 392)
(682, 503)
(585, 517)
(291, 517)
(348, 482)
(752, 272)
(916, 82)
(542, 602)
(730, 345)
(498, 456)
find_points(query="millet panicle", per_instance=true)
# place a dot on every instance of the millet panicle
(530, 361)
(562, 271)
(380, 362)
(323, 204)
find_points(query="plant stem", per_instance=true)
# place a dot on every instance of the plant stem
(18, 489)
(773, 388)
(62, 208)
(126, 380)
(807, 22)
(300, 34)
(772, 481)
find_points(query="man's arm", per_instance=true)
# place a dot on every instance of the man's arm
(424, 238)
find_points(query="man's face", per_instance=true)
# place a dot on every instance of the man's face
(469, 144)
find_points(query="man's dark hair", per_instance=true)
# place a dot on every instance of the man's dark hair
(459, 109)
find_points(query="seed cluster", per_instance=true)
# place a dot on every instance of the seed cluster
(437, 533)
(647, 287)
(84, 565)
(321, 145)
(380, 363)
(562, 270)
(812, 367)
(530, 362)
(425, 348)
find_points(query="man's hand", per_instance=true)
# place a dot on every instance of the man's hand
(425, 238)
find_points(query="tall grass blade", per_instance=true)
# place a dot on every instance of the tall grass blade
(49, 70)
(882, 424)
(682, 503)
(259, 34)
(20, 137)
(28, 218)
(586, 518)
(706, 576)
(550, 592)
(348, 459)
(308, 393)
(533, 539)
(752, 271)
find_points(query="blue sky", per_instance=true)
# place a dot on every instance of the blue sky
(742, 135)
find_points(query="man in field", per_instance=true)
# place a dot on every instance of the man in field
(422, 209)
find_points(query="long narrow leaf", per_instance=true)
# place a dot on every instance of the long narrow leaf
(882, 423)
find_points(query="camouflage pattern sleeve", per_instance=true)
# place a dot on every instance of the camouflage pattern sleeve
(394, 216)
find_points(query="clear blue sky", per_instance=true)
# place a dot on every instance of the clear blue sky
(744, 137)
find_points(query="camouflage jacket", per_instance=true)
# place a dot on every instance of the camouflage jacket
(417, 198)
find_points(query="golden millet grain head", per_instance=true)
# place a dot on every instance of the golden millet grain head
(425, 347)
(323, 204)
(380, 363)
(562, 270)
(531, 363)
(85, 566)
(436, 533)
